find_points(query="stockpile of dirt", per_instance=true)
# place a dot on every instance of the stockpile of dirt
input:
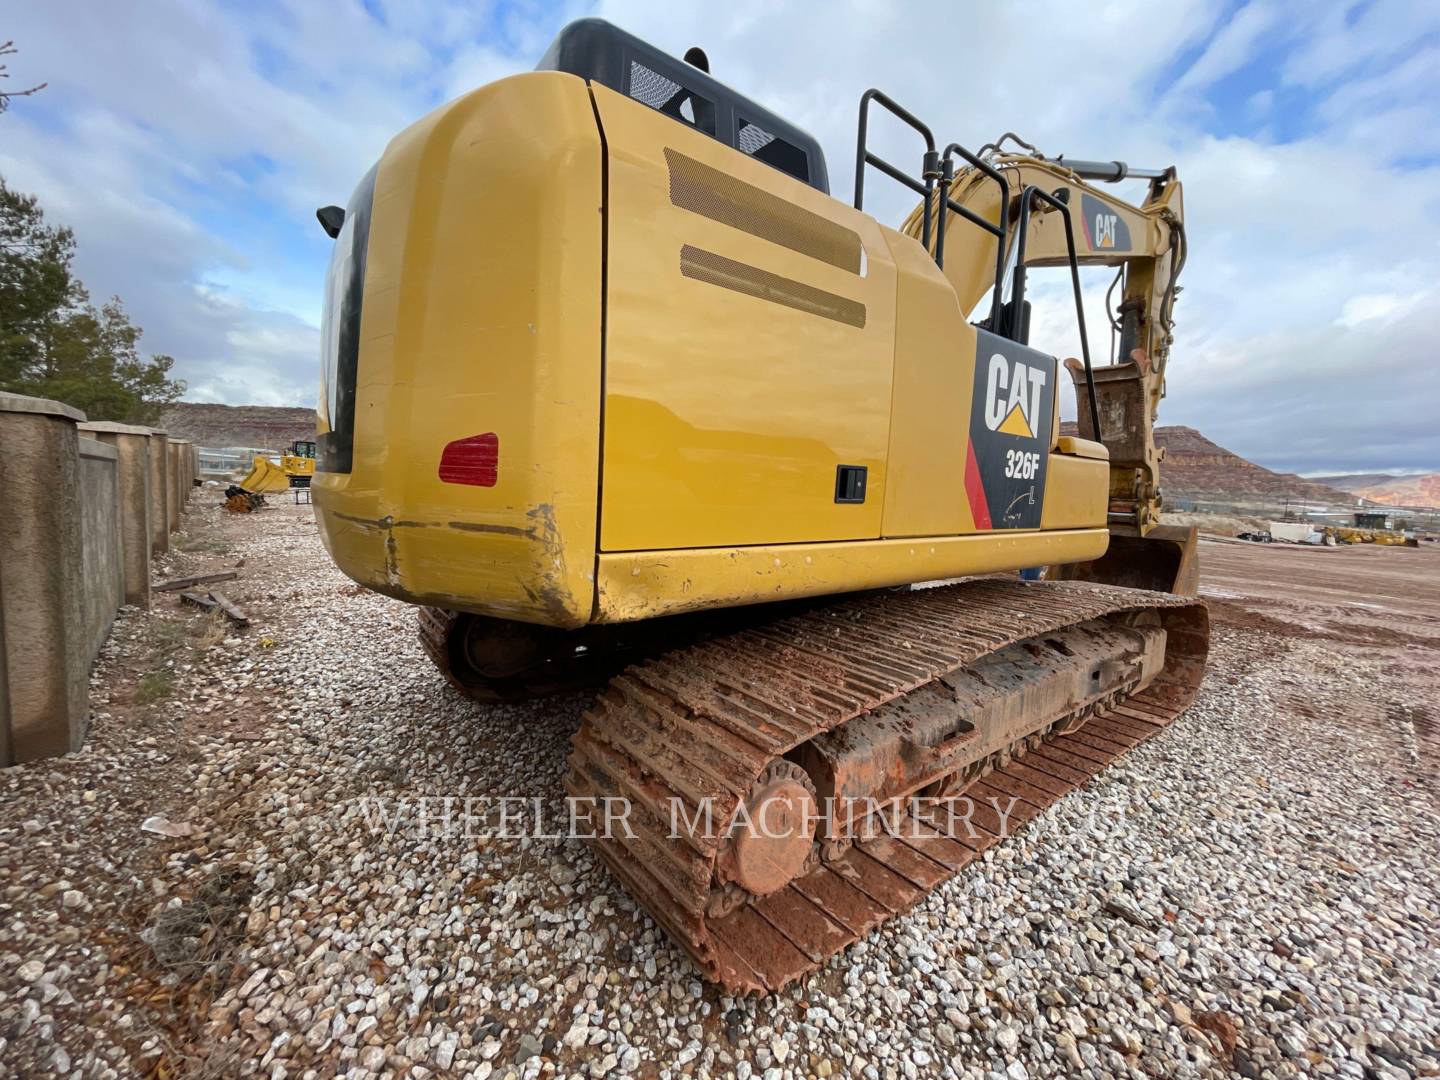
(264, 426)
(1216, 524)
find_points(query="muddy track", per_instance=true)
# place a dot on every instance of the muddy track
(695, 729)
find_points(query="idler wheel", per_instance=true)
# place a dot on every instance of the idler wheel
(773, 836)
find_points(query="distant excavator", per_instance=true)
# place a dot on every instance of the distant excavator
(296, 469)
(614, 389)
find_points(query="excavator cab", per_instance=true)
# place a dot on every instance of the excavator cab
(298, 463)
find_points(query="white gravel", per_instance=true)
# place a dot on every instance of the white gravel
(1253, 892)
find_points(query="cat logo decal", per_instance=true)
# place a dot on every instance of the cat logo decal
(1013, 392)
(1105, 230)
(1011, 426)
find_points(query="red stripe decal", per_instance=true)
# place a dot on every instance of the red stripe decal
(1085, 227)
(475, 460)
(979, 506)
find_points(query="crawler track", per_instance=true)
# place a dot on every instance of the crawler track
(697, 727)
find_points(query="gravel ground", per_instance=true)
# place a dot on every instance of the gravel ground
(1254, 892)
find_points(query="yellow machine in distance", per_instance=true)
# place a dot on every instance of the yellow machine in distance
(298, 462)
(296, 469)
(610, 376)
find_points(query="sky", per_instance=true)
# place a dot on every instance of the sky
(188, 144)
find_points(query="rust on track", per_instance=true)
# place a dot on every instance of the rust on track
(695, 728)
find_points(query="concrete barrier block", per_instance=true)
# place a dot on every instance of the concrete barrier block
(159, 492)
(175, 499)
(102, 571)
(132, 447)
(44, 658)
(187, 485)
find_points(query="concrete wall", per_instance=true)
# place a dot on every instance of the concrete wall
(159, 492)
(174, 471)
(102, 559)
(84, 514)
(43, 650)
(132, 448)
(182, 463)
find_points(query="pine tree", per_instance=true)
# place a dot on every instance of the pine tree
(53, 342)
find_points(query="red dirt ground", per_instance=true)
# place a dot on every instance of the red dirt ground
(1379, 602)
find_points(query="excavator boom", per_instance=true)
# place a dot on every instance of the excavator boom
(1146, 244)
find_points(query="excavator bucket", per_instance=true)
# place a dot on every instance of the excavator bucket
(265, 475)
(1163, 560)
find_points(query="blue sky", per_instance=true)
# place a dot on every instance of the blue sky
(188, 144)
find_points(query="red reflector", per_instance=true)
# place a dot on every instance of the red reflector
(475, 460)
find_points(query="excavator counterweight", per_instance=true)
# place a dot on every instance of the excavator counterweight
(618, 395)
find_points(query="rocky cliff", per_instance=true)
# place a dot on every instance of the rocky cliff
(263, 427)
(1196, 468)
(1422, 490)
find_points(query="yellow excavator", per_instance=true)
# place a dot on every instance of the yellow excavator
(296, 469)
(619, 394)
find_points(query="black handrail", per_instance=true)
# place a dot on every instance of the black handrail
(935, 168)
(999, 230)
(1017, 294)
(930, 166)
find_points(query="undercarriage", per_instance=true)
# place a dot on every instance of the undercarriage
(773, 792)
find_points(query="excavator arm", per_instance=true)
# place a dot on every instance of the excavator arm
(1146, 243)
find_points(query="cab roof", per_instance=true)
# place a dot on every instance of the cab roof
(600, 52)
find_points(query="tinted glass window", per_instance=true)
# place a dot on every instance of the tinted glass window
(759, 143)
(340, 331)
(671, 98)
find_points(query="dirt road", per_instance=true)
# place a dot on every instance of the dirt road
(1366, 584)
(1382, 603)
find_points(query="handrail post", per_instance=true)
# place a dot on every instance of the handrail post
(930, 167)
(1000, 231)
(947, 175)
(1017, 294)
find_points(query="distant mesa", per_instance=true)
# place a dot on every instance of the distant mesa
(1196, 469)
(263, 427)
(1421, 490)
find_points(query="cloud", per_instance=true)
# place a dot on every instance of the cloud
(189, 147)
(1372, 306)
(1232, 47)
(189, 143)
(1357, 35)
